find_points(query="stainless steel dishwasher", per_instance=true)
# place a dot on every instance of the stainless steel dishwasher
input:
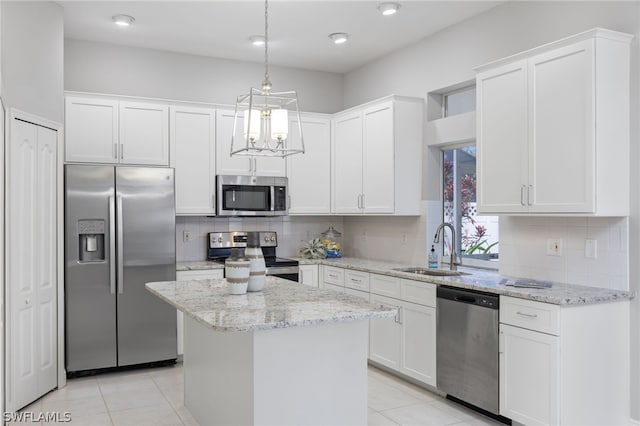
(467, 347)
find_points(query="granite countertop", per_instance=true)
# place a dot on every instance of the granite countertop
(486, 280)
(281, 304)
(199, 265)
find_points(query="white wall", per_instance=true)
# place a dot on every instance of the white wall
(32, 52)
(108, 68)
(447, 58)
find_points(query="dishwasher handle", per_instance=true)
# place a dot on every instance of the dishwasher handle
(465, 299)
(470, 297)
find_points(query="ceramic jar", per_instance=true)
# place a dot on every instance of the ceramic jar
(236, 271)
(257, 266)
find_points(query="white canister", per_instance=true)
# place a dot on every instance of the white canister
(257, 267)
(236, 271)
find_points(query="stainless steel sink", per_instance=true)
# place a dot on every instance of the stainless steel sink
(426, 271)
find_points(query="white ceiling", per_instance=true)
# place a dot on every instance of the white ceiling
(298, 30)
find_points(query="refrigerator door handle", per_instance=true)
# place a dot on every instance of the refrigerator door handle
(112, 244)
(120, 245)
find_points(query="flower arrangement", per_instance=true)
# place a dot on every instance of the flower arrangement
(313, 249)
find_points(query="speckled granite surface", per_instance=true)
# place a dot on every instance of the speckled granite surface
(280, 304)
(486, 280)
(198, 265)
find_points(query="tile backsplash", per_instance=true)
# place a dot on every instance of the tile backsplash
(292, 230)
(523, 250)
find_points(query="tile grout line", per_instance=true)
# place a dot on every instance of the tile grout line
(104, 401)
(168, 402)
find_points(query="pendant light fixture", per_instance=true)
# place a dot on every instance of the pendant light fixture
(264, 117)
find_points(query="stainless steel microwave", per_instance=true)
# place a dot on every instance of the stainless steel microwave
(251, 195)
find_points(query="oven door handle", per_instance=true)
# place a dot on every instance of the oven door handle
(282, 270)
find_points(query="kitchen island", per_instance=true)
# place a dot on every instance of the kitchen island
(289, 354)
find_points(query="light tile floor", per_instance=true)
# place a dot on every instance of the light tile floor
(155, 397)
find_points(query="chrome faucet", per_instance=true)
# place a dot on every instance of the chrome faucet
(436, 240)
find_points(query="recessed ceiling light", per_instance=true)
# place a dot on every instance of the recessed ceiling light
(257, 40)
(123, 20)
(388, 8)
(339, 38)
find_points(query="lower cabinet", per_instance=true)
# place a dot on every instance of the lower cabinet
(407, 342)
(203, 274)
(564, 365)
(308, 275)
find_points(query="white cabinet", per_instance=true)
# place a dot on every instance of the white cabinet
(240, 165)
(118, 132)
(310, 173)
(144, 133)
(204, 274)
(376, 155)
(406, 343)
(193, 150)
(551, 360)
(91, 130)
(308, 275)
(31, 259)
(552, 124)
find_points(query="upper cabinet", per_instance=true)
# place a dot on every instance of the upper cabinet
(102, 130)
(240, 165)
(377, 158)
(553, 128)
(310, 173)
(193, 154)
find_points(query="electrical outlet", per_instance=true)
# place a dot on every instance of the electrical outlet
(554, 247)
(404, 238)
(591, 249)
(186, 236)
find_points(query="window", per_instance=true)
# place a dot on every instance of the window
(476, 236)
(459, 101)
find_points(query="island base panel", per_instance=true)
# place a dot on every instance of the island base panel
(314, 375)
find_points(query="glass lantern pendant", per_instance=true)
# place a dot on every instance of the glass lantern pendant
(265, 117)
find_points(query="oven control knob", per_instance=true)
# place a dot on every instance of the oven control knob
(266, 238)
(273, 239)
(219, 239)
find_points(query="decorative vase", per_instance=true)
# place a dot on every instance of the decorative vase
(236, 271)
(256, 261)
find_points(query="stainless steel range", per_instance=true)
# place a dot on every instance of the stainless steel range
(221, 243)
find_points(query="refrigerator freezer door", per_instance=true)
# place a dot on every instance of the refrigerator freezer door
(89, 282)
(146, 325)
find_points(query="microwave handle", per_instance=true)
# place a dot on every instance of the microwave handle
(272, 197)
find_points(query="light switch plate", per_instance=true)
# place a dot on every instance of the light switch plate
(186, 236)
(554, 247)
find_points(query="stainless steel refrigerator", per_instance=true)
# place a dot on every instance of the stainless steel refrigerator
(120, 234)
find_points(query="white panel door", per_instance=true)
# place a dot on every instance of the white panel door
(225, 163)
(308, 275)
(91, 130)
(378, 159)
(562, 126)
(346, 154)
(502, 139)
(310, 173)
(31, 271)
(193, 141)
(270, 166)
(418, 342)
(385, 335)
(529, 379)
(144, 133)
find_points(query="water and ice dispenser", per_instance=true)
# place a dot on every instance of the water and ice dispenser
(91, 240)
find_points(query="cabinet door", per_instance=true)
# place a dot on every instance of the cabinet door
(310, 173)
(502, 139)
(194, 148)
(562, 126)
(377, 159)
(144, 133)
(346, 153)
(385, 335)
(225, 163)
(529, 378)
(91, 130)
(270, 166)
(308, 275)
(418, 342)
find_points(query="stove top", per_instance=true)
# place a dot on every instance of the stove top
(221, 243)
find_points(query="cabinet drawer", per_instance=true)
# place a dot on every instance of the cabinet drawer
(536, 316)
(200, 274)
(385, 285)
(357, 280)
(419, 292)
(333, 275)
